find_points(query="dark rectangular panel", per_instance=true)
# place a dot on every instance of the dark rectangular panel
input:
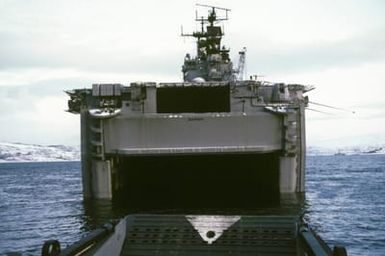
(200, 182)
(193, 99)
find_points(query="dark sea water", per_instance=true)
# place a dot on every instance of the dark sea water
(345, 203)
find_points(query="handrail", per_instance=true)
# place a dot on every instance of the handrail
(52, 247)
(316, 246)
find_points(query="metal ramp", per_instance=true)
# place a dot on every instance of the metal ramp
(142, 235)
(177, 235)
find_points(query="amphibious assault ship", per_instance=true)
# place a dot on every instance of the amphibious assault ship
(216, 130)
(197, 157)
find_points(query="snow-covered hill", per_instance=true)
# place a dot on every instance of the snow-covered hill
(19, 152)
(354, 150)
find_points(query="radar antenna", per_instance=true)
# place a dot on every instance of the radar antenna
(212, 62)
(213, 9)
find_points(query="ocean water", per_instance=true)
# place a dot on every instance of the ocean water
(345, 203)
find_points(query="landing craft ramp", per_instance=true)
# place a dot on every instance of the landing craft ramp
(211, 235)
(189, 235)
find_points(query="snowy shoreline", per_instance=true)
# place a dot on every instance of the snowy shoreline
(20, 152)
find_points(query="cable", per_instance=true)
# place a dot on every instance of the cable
(337, 108)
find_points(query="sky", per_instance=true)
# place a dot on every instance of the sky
(49, 46)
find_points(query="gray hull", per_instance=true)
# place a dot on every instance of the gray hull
(144, 121)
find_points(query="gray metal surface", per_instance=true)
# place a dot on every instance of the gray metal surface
(167, 134)
(175, 235)
(145, 234)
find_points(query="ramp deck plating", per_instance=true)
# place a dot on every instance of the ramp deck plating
(175, 235)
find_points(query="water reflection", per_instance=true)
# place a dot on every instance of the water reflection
(98, 212)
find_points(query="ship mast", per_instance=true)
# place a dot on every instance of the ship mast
(212, 62)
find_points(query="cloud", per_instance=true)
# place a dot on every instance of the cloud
(356, 88)
(49, 79)
(365, 48)
(40, 120)
(346, 132)
(36, 114)
(121, 36)
(139, 37)
(50, 46)
(25, 53)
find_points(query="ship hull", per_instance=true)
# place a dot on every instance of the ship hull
(245, 135)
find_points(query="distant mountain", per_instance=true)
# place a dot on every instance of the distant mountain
(352, 150)
(19, 152)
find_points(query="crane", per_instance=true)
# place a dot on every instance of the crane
(240, 71)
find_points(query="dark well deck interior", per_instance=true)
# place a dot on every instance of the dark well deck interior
(194, 183)
(174, 235)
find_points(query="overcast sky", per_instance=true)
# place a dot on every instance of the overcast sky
(51, 46)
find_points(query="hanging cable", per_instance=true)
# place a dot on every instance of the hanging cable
(337, 108)
(315, 110)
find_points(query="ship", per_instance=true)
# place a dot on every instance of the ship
(216, 124)
(195, 158)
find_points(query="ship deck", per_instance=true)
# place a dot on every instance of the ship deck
(174, 235)
(154, 234)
